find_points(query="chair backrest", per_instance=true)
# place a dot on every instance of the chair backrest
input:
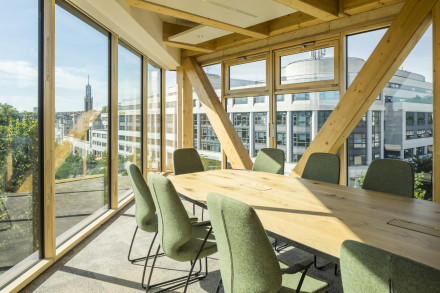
(390, 176)
(366, 268)
(174, 225)
(247, 260)
(269, 160)
(322, 167)
(187, 160)
(144, 203)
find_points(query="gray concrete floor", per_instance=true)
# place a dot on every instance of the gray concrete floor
(99, 263)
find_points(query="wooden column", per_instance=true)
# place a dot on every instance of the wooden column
(342, 87)
(395, 46)
(48, 72)
(113, 122)
(179, 106)
(185, 105)
(144, 116)
(228, 137)
(163, 127)
(435, 103)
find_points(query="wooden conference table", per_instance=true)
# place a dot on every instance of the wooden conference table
(318, 217)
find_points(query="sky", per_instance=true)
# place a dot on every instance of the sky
(82, 51)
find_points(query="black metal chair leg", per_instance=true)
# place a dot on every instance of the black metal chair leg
(131, 246)
(220, 284)
(146, 260)
(195, 259)
(188, 278)
(274, 244)
(315, 264)
(152, 268)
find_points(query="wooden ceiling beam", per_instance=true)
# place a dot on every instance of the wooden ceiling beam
(392, 50)
(225, 131)
(277, 26)
(321, 9)
(195, 18)
(187, 47)
(351, 7)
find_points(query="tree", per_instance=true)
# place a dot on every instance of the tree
(71, 167)
(7, 114)
(91, 161)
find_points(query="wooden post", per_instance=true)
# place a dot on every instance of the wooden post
(435, 102)
(185, 93)
(49, 128)
(163, 128)
(145, 116)
(403, 34)
(113, 122)
(228, 137)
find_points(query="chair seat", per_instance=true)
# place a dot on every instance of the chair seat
(188, 251)
(310, 284)
(151, 225)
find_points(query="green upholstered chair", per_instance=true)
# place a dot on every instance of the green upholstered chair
(180, 239)
(145, 214)
(187, 160)
(390, 176)
(269, 160)
(365, 269)
(247, 260)
(322, 167)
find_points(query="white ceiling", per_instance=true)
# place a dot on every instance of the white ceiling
(243, 13)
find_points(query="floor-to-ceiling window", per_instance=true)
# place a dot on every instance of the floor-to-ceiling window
(20, 195)
(399, 123)
(154, 115)
(205, 139)
(170, 118)
(306, 93)
(129, 114)
(81, 120)
(248, 103)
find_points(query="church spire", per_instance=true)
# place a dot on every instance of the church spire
(88, 99)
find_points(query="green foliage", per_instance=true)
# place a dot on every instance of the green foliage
(24, 147)
(91, 161)
(209, 164)
(421, 164)
(419, 191)
(8, 114)
(71, 167)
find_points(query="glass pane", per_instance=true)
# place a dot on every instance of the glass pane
(205, 139)
(308, 66)
(19, 140)
(250, 117)
(154, 117)
(81, 122)
(129, 116)
(359, 48)
(247, 75)
(300, 116)
(399, 124)
(214, 73)
(171, 117)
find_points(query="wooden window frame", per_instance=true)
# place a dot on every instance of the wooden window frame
(319, 44)
(239, 61)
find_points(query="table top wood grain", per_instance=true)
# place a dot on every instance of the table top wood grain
(319, 216)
